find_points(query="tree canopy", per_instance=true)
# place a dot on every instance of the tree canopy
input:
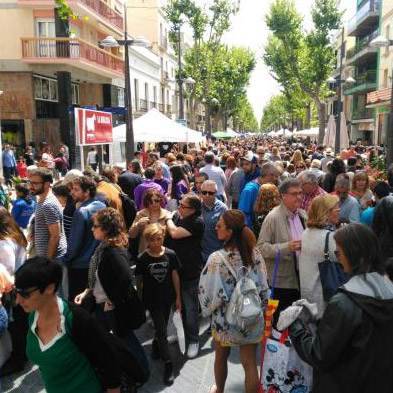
(298, 59)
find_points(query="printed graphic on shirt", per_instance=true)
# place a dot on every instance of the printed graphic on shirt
(159, 271)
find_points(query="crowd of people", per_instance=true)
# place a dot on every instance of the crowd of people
(90, 253)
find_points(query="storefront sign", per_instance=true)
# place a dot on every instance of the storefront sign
(93, 127)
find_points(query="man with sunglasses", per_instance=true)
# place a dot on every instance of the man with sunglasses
(212, 208)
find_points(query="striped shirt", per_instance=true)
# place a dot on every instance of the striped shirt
(48, 212)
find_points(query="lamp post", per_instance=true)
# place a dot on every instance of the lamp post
(382, 42)
(110, 42)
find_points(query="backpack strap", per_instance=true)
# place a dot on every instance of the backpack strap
(227, 264)
(326, 250)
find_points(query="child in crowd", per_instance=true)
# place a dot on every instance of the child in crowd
(23, 206)
(21, 168)
(157, 275)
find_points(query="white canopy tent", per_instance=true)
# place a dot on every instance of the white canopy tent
(311, 132)
(155, 127)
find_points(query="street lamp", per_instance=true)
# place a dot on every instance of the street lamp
(111, 42)
(383, 42)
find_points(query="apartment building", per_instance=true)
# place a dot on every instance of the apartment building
(379, 99)
(47, 65)
(364, 60)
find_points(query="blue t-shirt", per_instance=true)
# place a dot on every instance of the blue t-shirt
(367, 216)
(247, 200)
(22, 210)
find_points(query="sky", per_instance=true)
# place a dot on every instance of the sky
(249, 30)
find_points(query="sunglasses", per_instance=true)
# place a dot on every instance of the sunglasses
(25, 293)
(208, 193)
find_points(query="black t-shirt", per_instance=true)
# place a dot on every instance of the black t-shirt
(156, 273)
(128, 181)
(188, 249)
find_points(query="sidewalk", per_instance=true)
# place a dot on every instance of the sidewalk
(192, 376)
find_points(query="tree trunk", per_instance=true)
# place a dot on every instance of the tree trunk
(308, 116)
(322, 121)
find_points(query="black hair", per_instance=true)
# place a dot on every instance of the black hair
(149, 173)
(194, 202)
(178, 174)
(60, 190)
(361, 247)
(38, 272)
(351, 161)
(209, 158)
(337, 166)
(381, 189)
(23, 189)
(202, 174)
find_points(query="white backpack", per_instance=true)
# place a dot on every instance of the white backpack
(244, 310)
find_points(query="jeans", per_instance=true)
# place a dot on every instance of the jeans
(190, 312)
(8, 173)
(160, 317)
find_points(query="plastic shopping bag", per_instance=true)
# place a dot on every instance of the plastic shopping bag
(283, 370)
(177, 321)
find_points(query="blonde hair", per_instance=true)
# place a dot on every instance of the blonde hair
(319, 210)
(152, 230)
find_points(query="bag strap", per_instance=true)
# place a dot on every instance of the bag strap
(277, 257)
(326, 250)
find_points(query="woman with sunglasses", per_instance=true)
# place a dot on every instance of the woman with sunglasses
(152, 213)
(185, 231)
(12, 255)
(351, 349)
(65, 342)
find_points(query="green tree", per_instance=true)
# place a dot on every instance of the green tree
(243, 117)
(207, 61)
(302, 60)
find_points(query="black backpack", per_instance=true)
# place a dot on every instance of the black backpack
(129, 209)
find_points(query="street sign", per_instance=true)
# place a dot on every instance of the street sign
(93, 127)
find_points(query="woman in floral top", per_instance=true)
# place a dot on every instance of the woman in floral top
(215, 289)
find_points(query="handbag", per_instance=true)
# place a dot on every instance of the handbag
(331, 273)
(282, 370)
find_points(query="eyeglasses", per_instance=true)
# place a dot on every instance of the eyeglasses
(25, 293)
(208, 193)
(35, 183)
(295, 194)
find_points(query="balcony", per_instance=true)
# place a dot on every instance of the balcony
(98, 9)
(366, 18)
(169, 109)
(143, 105)
(164, 77)
(163, 43)
(361, 114)
(153, 104)
(362, 52)
(161, 107)
(364, 83)
(74, 52)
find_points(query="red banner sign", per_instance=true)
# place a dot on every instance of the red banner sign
(93, 127)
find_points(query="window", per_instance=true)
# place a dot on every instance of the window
(120, 97)
(45, 29)
(75, 94)
(155, 94)
(136, 93)
(387, 35)
(45, 89)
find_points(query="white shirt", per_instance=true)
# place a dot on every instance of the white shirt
(12, 255)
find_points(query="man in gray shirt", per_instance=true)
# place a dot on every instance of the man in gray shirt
(349, 206)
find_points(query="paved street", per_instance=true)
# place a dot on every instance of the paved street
(192, 376)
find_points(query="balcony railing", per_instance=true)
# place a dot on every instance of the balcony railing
(361, 44)
(169, 108)
(164, 43)
(143, 105)
(153, 104)
(161, 107)
(69, 48)
(105, 11)
(370, 6)
(365, 81)
(364, 113)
